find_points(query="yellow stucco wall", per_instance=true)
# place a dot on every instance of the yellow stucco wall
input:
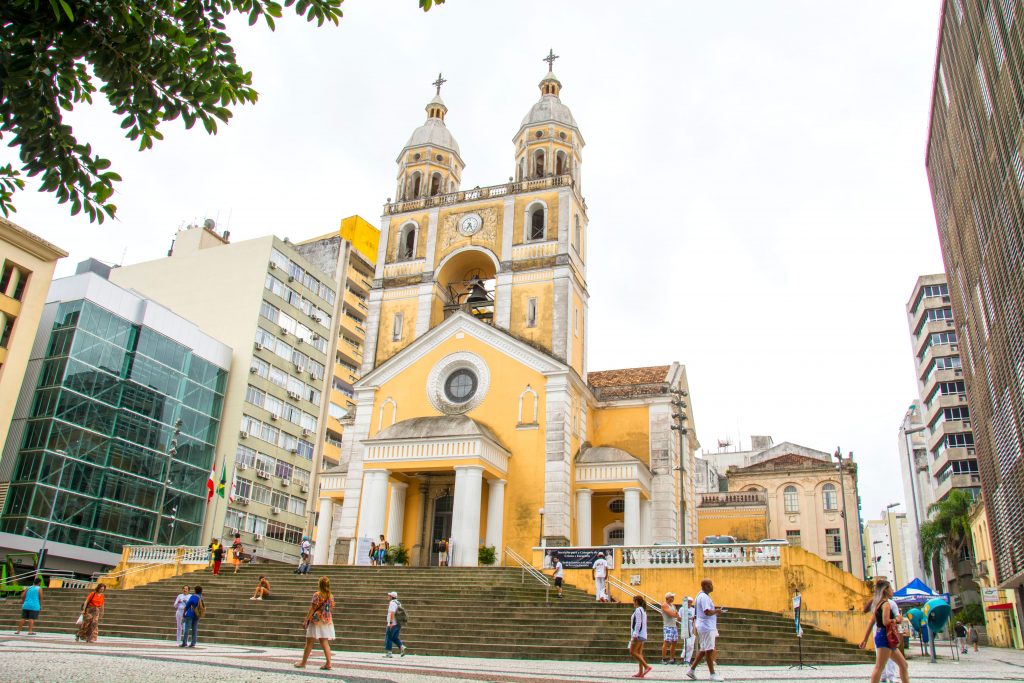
(578, 331)
(627, 428)
(521, 294)
(407, 306)
(395, 230)
(449, 239)
(746, 524)
(601, 516)
(524, 494)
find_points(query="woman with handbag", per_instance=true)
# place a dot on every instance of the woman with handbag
(92, 612)
(318, 623)
(885, 621)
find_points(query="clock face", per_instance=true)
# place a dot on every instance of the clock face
(470, 225)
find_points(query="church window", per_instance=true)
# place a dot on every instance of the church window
(561, 166)
(460, 385)
(531, 312)
(536, 223)
(528, 405)
(416, 156)
(388, 413)
(829, 499)
(833, 542)
(414, 185)
(439, 157)
(792, 500)
(538, 164)
(616, 536)
(407, 242)
(617, 506)
(396, 328)
(435, 184)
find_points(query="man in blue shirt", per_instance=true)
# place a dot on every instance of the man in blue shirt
(195, 608)
(31, 603)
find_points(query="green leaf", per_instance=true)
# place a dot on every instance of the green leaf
(67, 10)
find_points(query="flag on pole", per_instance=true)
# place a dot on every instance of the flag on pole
(209, 484)
(234, 486)
(223, 480)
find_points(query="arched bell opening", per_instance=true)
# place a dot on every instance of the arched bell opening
(467, 278)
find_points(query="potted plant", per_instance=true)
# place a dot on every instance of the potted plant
(486, 556)
(398, 555)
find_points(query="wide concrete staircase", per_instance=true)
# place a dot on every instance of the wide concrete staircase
(486, 612)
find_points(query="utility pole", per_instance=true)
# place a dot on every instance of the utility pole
(678, 418)
(838, 455)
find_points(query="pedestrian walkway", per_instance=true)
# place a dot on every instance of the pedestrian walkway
(56, 657)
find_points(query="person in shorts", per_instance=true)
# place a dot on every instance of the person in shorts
(31, 604)
(707, 630)
(638, 635)
(442, 553)
(559, 574)
(669, 629)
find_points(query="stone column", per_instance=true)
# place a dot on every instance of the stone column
(323, 531)
(495, 515)
(12, 284)
(631, 525)
(584, 511)
(645, 522)
(466, 515)
(396, 512)
(374, 504)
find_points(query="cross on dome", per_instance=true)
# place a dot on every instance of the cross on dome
(550, 59)
(441, 80)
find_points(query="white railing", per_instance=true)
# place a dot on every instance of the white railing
(534, 250)
(404, 268)
(732, 498)
(168, 554)
(632, 592)
(604, 473)
(450, 198)
(529, 569)
(332, 483)
(743, 555)
(658, 556)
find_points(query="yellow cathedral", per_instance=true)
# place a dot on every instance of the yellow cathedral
(476, 420)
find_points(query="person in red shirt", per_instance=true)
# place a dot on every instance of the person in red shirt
(92, 612)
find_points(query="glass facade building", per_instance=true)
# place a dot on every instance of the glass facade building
(117, 438)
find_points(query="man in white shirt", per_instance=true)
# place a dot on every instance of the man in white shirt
(305, 548)
(559, 573)
(707, 630)
(391, 635)
(687, 614)
(599, 573)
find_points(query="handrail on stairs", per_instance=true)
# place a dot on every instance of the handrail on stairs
(528, 568)
(632, 592)
(125, 572)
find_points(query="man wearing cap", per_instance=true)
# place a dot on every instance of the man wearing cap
(670, 632)
(599, 572)
(687, 615)
(393, 627)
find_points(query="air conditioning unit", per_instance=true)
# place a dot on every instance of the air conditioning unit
(257, 537)
(276, 511)
(273, 417)
(284, 331)
(273, 266)
(316, 337)
(263, 474)
(243, 435)
(252, 371)
(291, 278)
(286, 482)
(299, 340)
(258, 346)
(242, 501)
(294, 451)
(293, 395)
(299, 368)
(304, 488)
(305, 432)
(242, 467)
(318, 318)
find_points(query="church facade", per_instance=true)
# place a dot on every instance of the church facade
(476, 419)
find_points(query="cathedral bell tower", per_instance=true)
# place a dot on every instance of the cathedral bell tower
(549, 142)
(430, 164)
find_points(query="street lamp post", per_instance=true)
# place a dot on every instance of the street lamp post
(892, 543)
(540, 531)
(838, 455)
(678, 420)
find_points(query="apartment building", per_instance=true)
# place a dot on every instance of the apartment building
(275, 308)
(115, 429)
(888, 547)
(26, 269)
(976, 174)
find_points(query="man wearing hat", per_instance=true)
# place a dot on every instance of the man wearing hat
(686, 618)
(599, 572)
(393, 626)
(670, 629)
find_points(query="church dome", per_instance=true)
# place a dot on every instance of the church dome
(433, 132)
(549, 108)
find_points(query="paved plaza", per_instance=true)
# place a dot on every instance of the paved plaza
(57, 658)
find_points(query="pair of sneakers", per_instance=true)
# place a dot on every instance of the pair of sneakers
(401, 653)
(692, 675)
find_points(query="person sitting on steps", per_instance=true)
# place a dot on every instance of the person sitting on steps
(262, 589)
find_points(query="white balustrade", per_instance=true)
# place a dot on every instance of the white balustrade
(657, 556)
(400, 268)
(167, 554)
(481, 193)
(332, 483)
(535, 250)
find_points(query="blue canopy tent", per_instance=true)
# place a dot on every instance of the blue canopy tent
(917, 592)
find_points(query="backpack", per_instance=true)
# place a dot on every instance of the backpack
(200, 609)
(401, 616)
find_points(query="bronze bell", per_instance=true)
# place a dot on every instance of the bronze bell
(477, 292)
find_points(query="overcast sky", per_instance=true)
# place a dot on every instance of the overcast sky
(754, 172)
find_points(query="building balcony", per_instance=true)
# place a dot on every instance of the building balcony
(956, 481)
(404, 268)
(947, 454)
(938, 403)
(355, 301)
(935, 351)
(929, 304)
(613, 476)
(931, 328)
(9, 306)
(477, 193)
(352, 327)
(951, 375)
(945, 427)
(532, 250)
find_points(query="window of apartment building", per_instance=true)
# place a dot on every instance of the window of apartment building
(274, 405)
(838, 564)
(260, 367)
(283, 470)
(792, 500)
(265, 464)
(964, 466)
(243, 488)
(308, 422)
(396, 327)
(994, 36)
(255, 396)
(833, 542)
(950, 388)
(245, 456)
(986, 96)
(829, 499)
(5, 334)
(11, 273)
(261, 493)
(305, 449)
(269, 433)
(269, 311)
(289, 442)
(956, 413)
(300, 476)
(313, 395)
(793, 537)
(278, 377)
(942, 338)
(531, 312)
(944, 313)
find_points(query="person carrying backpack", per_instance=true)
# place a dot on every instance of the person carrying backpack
(195, 609)
(397, 618)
